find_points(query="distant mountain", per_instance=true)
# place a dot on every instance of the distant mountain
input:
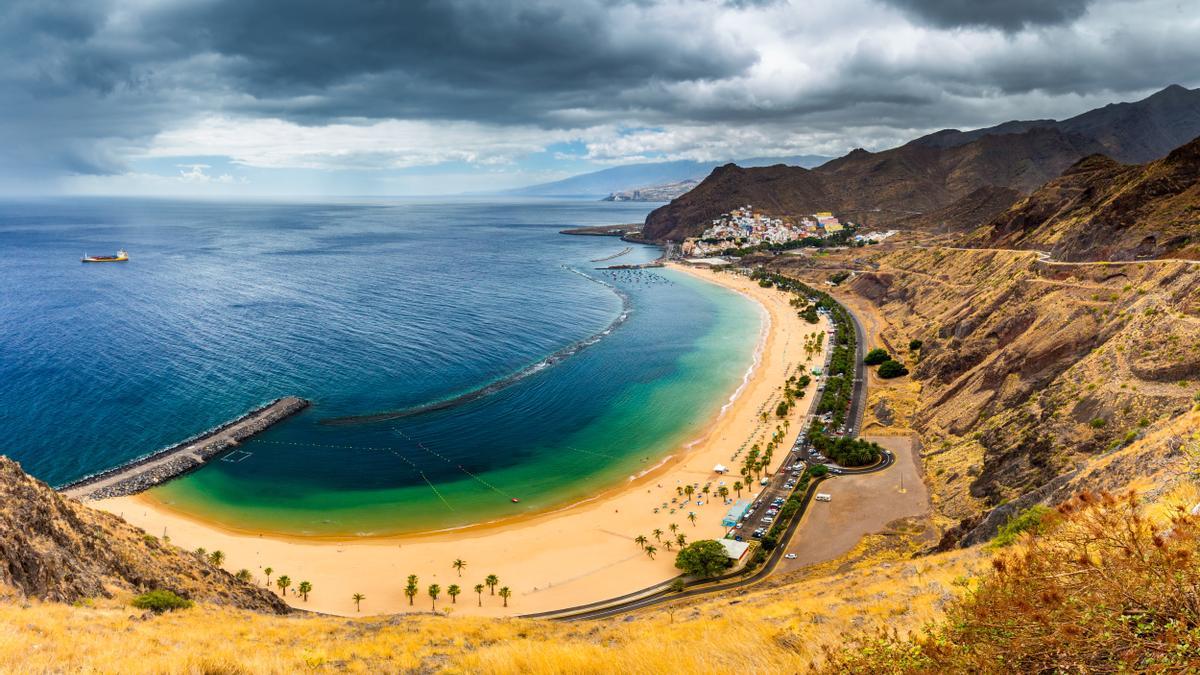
(1100, 209)
(654, 193)
(949, 180)
(599, 184)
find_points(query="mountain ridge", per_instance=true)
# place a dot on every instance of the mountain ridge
(919, 183)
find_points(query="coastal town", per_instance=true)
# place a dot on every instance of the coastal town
(745, 228)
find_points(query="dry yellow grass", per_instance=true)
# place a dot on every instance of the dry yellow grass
(789, 623)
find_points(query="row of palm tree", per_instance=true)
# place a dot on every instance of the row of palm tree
(650, 549)
(411, 589)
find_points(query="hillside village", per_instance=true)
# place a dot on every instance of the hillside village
(744, 228)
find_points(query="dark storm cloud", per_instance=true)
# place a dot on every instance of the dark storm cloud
(472, 59)
(1008, 15)
(84, 84)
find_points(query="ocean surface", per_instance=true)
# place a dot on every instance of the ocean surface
(562, 379)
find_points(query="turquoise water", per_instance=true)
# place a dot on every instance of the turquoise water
(364, 307)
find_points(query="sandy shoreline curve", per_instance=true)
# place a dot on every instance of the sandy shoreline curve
(573, 554)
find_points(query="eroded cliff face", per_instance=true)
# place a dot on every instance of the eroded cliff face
(1027, 367)
(54, 548)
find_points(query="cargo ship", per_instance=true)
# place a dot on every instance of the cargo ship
(121, 256)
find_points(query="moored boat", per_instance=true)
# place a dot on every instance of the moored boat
(121, 256)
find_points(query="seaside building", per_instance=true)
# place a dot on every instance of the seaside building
(736, 513)
(734, 549)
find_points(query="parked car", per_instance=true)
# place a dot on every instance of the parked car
(822, 497)
(758, 534)
(790, 556)
(767, 519)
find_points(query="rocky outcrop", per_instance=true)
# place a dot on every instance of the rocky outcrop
(54, 548)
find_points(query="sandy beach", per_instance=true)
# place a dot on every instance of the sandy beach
(573, 555)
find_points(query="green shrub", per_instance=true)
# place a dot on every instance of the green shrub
(1029, 520)
(876, 356)
(161, 601)
(892, 368)
(1098, 423)
(914, 345)
(818, 470)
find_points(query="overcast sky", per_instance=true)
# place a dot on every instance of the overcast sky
(311, 97)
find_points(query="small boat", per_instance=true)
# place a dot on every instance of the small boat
(515, 500)
(121, 256)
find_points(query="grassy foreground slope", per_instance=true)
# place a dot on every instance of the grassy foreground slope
(792, 624)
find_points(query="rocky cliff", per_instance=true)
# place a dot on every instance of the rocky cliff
(54, 548)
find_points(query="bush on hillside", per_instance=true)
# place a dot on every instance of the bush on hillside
(1103, 589)
(876, 356)
(892, 368)
(161, 601)
(1029, 520)
(704, 558)
(914, 345)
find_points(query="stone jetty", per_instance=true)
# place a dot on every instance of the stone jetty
(160, 467)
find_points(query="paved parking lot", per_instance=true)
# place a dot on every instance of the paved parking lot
(861, 505)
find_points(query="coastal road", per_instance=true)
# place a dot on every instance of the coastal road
(858, 398)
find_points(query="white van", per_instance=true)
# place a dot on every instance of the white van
(822, 497)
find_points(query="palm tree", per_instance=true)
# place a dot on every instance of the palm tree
(689, 491)
(201, 553)
(244, 575)
(667, 544)
(305, 588)
(737, 487)
(640, 541)
(673, 528)
(267, 571)
(479, 592)
(506, 594)
(491, 581)
(692, 517)
(723, 492)
(434, 590)
(453, 590)
(657, 534)
(459, 564)
(681, 540)
(411, 591)
(358, 598)
(679, 490)
(216, 558)
(650, 551)
(412, 580)
(283, 582)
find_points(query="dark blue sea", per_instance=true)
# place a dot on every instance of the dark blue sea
(365, 307)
